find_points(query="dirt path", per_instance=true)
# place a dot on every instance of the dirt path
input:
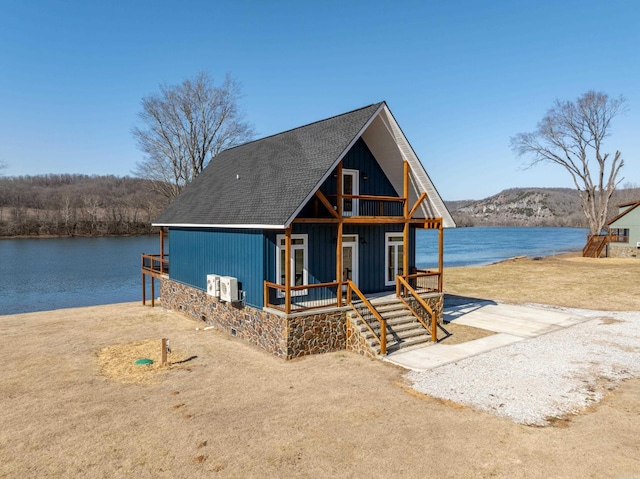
(234, 411)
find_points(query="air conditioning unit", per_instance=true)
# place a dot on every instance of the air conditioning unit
(228, 289)
(638, 244)
(213, 285)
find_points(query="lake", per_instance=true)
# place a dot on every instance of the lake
(46, 274)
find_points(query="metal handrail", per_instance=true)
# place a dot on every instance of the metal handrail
(382, 338)
(402, 283)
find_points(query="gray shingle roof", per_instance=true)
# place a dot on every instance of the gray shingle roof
(263, 182)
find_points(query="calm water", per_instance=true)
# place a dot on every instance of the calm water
(45, 274)
(477, 246)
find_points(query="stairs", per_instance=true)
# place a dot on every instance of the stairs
(403, 329)
(595, 245)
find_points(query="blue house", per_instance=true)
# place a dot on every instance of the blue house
(624, 232)
(277, 238)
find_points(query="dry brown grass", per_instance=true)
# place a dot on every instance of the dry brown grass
(118, 362)
(606, 284)
(235, 411)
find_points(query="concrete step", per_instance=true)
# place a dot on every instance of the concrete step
(401, 345)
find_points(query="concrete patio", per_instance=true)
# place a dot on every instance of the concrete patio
(512, 323)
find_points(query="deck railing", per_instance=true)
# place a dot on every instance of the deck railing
(418, 306)
(370, 205)
(368, 314)
(425, 281)
(155, 263)
(304, 297)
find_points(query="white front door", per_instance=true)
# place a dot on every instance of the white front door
(350, 258)
(394, 257)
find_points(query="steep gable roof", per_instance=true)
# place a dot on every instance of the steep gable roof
(265, 183)
(631, 206)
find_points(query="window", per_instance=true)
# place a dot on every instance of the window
(620, 235)
(350, 186)
(299, 266)
(394, 257)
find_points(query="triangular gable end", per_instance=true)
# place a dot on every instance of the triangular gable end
(632, 206)
(390, 147)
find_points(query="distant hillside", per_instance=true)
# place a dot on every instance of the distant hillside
(70, 205)
(531, 207)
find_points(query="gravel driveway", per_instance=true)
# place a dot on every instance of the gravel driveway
(551, 376)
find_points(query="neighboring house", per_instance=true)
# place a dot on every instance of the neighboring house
(624, 232)
(293, 220)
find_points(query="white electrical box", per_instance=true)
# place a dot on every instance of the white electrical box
(228, 289)
(213, 285)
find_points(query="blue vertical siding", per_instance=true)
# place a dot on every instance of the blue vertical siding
(196, 252)
(360, 158)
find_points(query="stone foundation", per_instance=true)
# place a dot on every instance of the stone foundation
(623, 252)
(286, 336)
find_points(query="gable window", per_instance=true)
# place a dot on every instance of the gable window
(350, 186)
(620, 235)
(298, 260)
(393, 258)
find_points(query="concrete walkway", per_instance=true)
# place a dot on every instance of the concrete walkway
(511, 323)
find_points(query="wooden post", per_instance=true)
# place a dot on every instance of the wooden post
(161, 250)
(164, 352)
(383, 337)
(339, 233)
(144, 290)
(339, 263)
(405, 233)
(287, 270)
(153, 291)
(266, 293)
(440, 254)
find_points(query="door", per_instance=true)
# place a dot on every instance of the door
(350, 186)
(350, 258)
(394, 257)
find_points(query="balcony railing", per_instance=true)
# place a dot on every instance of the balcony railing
(370, 205)
(304, 297)
(155, 263)
(425, 281)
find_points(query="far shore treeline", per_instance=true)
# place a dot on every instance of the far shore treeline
(76, 205)
(83, 205)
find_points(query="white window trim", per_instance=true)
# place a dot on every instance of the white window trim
(356, 191)
(387, 243)
(356, 256)
(305, 274)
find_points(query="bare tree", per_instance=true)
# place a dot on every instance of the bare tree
(185, 126)
(571, 135)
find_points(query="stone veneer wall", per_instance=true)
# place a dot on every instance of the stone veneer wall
(623, 252)
(284, 336)
(436, 303)
(356, 341)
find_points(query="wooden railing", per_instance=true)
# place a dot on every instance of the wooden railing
(155, 263)
(418, 306)
(615, 238)
(368, 314)
(371, 205)
(425, 281)
(304, 297)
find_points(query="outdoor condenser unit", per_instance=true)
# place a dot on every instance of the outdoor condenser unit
(213, 285)
(228, 289)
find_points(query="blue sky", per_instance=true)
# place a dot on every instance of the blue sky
(460, 77)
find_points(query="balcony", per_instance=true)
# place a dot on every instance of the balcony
(155, 265)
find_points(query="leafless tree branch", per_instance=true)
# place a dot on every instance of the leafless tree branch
(184, 127)
(571, 135)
